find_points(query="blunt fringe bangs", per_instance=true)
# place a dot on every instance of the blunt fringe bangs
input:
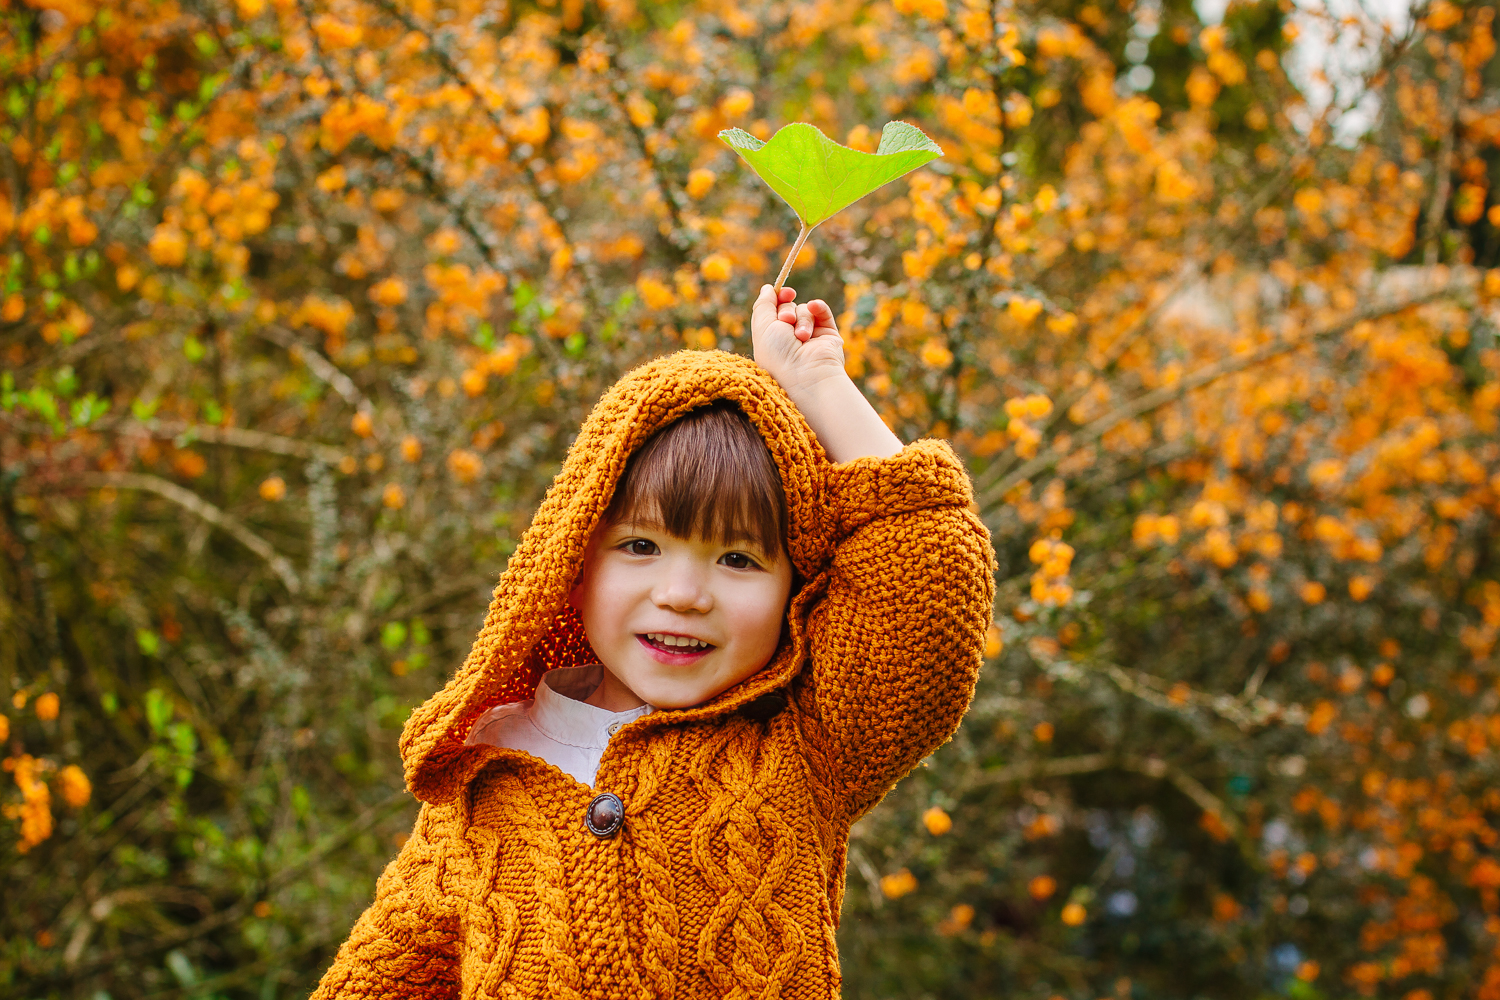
(708, 474)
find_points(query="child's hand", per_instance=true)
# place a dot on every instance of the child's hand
(798, 344)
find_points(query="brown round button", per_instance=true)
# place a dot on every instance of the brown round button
(605, 815)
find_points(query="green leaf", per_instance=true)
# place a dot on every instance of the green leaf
(158, 709)
(184, 739)
(420, 636)
(393, 635)
(182, 968)
(88, 409)
(819, 177)
(41, 402)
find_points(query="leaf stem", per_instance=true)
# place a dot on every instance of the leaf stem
(796, 249)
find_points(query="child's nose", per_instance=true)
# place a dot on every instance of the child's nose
(683, 589)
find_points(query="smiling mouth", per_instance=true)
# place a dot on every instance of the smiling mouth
(675, 645)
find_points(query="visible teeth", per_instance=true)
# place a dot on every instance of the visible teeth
(675, 640)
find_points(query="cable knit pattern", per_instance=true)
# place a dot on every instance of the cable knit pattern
(653, 869)
(726, 877)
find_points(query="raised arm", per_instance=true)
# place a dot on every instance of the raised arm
(405, 945)
(898, 637)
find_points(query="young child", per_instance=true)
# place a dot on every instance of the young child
(743, 611)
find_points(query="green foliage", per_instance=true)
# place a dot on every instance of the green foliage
(351, 302)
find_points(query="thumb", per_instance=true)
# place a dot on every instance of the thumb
(763, 313)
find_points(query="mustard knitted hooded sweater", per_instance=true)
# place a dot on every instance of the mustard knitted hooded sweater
(726, 876)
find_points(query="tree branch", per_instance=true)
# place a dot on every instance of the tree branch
(318, 365)
(236, 911)
(241, 437)
(191, 502)
(449, 65)
(1096, 429)
(1268, 192)
(1055, 767)
(1443, 179)
(1151, 767)
(680, 240)
(1246, 712)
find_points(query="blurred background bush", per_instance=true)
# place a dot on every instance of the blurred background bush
(304, 299)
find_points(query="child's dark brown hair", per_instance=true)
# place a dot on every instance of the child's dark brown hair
(709, 474)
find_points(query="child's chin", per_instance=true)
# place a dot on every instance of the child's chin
(672, 697)
(673, 701)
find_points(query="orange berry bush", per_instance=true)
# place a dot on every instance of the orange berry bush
(303, 301)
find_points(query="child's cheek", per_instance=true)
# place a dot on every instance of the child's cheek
(594, 598)
(760, 632)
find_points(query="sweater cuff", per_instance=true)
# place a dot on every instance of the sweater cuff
(922, 475)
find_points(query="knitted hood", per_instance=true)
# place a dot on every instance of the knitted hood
(530, 628)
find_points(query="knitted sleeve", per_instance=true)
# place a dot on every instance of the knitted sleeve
(898, 637)
(405, 944)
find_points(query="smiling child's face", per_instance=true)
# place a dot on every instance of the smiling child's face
(642, 587)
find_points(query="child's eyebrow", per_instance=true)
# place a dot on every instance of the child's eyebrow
(639, 524)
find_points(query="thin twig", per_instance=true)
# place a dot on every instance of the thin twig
(1097, 428)
(679, 239)
(1147, 321)
(1035, 770)
(1151, 767)
(449, 65)
(235, 911)
(318, 365)
(1444, 167)
(280, 965)
(239, 437)
(1246, 712)
(191, 502)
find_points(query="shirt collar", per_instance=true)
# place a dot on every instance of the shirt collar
(560, 712)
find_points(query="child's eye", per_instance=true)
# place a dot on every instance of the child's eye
(640, 547)
(738, 560)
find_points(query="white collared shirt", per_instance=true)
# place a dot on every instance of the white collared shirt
(557, 725)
